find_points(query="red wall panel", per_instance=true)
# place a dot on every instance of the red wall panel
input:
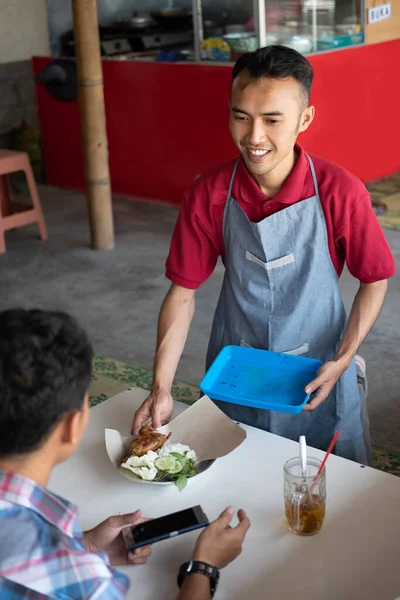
(166, 122)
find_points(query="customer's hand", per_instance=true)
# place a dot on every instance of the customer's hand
(107, 537)
(220, 544)
(156, 409)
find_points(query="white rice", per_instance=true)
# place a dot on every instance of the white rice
(176, 447)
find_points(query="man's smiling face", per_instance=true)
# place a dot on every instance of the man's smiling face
(266, 116)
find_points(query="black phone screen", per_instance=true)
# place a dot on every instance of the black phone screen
(184, 520)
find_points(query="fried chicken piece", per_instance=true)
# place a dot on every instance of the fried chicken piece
(149, 439)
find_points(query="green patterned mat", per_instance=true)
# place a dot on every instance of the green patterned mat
(110, 377)
(387, 191)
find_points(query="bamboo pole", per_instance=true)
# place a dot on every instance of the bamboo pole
(93, 123)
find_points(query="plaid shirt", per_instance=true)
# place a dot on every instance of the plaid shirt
(41, 548)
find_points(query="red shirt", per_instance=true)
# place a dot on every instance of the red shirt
(355, 236)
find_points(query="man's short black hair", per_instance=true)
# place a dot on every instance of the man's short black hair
(277, 62)
(45, 370)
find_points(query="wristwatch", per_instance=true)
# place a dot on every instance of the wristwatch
(201, 568)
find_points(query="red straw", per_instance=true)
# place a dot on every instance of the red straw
(333, 442)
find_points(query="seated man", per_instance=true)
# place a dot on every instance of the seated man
(45, 370)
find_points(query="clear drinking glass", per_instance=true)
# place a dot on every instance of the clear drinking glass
(304, 499)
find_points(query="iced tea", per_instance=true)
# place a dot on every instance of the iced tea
(305, 517)
(304, 496)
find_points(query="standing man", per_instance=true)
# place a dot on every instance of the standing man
(285, 224)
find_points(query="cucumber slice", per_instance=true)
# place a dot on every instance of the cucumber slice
(169, 465)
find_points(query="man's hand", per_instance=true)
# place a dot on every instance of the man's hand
(156, 409)
(366, 306)
(220, 544)
(107, 537)
(327, 377)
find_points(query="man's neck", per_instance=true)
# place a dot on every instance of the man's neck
(271, 183)
(33, 466)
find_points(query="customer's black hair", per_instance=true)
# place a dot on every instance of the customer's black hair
(277, 62)
(45, 370)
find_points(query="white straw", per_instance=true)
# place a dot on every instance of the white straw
(303, 455)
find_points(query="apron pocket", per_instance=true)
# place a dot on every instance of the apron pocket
(303, 349)
(244, 344)
(272, 264)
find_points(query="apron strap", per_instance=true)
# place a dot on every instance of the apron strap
(320, 209)
(314, 177)
(232, 179)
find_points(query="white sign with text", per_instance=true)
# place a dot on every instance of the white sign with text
(379, 13)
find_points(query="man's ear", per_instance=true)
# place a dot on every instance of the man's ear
(306, 118)
(70, 428)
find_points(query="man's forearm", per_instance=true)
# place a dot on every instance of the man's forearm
(365, 310)
(173, 326)
(195, 587)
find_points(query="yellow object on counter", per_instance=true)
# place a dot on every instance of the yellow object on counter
(215, 49)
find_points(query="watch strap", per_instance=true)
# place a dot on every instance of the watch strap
(200, 568)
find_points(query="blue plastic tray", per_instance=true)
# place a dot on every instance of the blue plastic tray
(260, 378)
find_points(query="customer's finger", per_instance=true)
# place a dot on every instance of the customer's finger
(138, 560)
(121, 521)
(226, 517)
(140, 555)
(244, 522)
(144, 551)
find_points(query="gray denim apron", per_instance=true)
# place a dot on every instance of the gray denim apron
(280, 292)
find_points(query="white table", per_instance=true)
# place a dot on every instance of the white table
(356, 556)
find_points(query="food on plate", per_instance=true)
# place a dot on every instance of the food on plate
(149, 440)
(151, 458)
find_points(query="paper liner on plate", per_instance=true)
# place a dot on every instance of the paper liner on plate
(203, 427)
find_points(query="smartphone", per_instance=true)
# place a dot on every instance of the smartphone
(163, 528)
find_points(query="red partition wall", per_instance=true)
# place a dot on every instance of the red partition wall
(168, 122)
